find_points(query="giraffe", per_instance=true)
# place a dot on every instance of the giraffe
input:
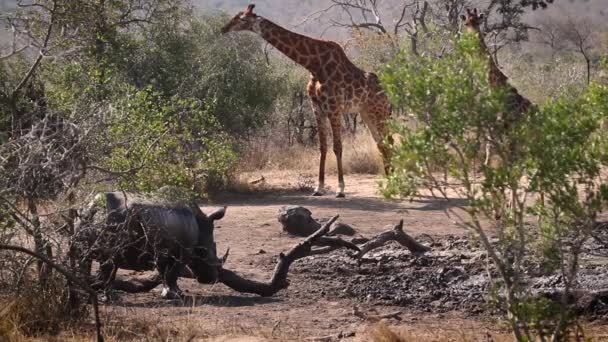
(517, 105)
(336, 86)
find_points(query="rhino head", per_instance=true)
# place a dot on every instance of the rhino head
(205, 264)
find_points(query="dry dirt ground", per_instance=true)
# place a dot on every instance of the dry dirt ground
(319, 303)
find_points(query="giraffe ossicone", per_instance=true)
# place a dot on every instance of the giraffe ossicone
(336, 86)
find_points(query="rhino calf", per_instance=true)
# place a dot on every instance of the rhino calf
(140, 234)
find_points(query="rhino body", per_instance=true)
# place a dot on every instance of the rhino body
(136, 233)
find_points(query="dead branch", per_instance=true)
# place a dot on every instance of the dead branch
(279, 278)
(324, 250)
(41, 54)
(327, 241)
(331, 244)
(257, 181)
(396, 234)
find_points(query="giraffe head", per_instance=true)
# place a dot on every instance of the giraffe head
(472, 20)
(243, 21)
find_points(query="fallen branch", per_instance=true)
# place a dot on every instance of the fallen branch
(279, 278)
(258, 181)
(324, 250)
(327, 241)
(396, 234)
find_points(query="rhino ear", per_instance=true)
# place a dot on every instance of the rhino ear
(218, 214)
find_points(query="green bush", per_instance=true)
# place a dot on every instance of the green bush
(191, 59)
(451, 96)
(546, 162)
(174, 84)
(156, 141)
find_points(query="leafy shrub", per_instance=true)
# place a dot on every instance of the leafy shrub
(188, 57)
(451, 97)
(156, 141)
(546, 162)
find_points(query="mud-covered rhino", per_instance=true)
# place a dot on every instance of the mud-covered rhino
(128, 231)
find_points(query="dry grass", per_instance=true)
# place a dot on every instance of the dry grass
(133, 326)
(261, 156)
(190, 327)
(33, 311)
(462, 331)
(360, 155)
(247, 184)
(383, 333)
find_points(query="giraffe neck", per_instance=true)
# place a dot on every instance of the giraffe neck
(301, 49)
(517, 102)
(496, 77)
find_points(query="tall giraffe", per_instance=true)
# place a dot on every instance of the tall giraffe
(336, 86)
(517, 105)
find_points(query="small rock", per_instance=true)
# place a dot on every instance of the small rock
(261, 251)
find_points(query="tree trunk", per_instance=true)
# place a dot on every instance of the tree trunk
(40, 244)
(588, 61)
(300, 120)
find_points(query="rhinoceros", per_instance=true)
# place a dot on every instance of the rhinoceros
(140, 234)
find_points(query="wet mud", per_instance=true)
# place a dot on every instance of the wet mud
(454, 276)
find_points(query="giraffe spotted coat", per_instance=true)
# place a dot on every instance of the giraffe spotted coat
(336, 86)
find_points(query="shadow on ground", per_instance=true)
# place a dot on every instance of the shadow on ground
(220, 300)
(286, 198)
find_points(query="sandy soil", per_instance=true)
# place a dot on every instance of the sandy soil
(304, 311)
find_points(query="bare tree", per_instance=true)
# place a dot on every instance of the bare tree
(563, 32)
(579, 36)
(414, 21)
(376, 17)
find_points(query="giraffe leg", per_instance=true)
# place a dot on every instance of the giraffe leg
(336, 130)
(322, 127)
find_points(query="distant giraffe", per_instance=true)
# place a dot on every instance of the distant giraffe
(517, 105)
(336, 86)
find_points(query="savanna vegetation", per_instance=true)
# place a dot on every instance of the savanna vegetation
(135, 95)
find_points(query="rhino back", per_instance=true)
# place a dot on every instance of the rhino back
(146, 230)
(176, 227)
(166, 221)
